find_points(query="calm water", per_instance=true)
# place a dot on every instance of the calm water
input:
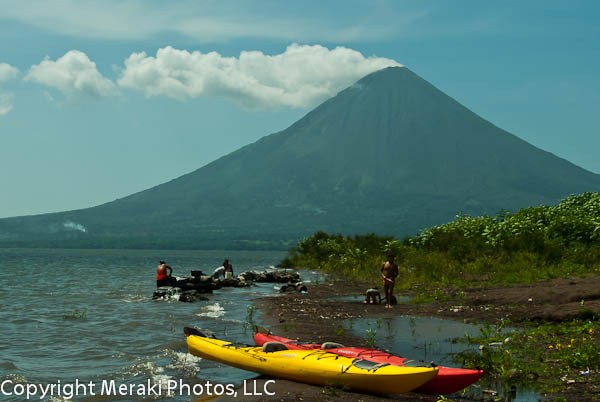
(431, 340)
(118, 332)
(87, 315)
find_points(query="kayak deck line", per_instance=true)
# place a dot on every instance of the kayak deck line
(318, 367)
(448, 380)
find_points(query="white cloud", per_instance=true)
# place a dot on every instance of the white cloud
(7, 72)
(72, 73)
(48, 96)
(301, 76)
(6, 103)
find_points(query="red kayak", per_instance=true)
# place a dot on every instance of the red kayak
(448, 381)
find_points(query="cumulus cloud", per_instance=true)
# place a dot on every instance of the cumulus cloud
(72, 73)
(6, 103)
(7, 72)
(301, 76)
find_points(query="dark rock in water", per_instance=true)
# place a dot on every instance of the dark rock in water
(297, 287)
(247, 276)
(274, 276)
(165, 292)
(172, 292)
(190, 288)
(195, 283)
(301, 288)
(239, 282)
(190, 296)
(293, 277)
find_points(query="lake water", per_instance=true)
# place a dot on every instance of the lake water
(432, 339)
(87, 315)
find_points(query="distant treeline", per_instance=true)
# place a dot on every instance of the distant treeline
(532, 244)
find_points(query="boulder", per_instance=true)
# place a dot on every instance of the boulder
(166, 292)
(201, 285)
(247, 276)
(278, 277)
(190, 296)
(297, 287)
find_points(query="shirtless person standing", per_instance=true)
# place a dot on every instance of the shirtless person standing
(389, 272)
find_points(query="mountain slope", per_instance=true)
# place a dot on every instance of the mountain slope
(390, 154)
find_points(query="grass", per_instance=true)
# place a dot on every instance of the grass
(334, 389)
(249, 323)
(442, 398)
(250, 311)
(285, 327)
(533, 244)
(428, 273)
(371, 337)
(547, 355)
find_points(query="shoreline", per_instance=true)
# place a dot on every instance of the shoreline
(314, 317)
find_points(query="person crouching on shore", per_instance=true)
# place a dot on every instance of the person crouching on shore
(372, 296)
(389, 272)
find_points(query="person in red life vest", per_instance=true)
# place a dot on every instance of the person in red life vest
(162, 277)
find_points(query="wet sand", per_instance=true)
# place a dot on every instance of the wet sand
(294, 391)
(314, 317)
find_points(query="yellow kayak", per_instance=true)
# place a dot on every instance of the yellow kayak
(310, 366)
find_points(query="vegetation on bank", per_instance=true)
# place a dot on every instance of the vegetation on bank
(551, 356)
(532, 244)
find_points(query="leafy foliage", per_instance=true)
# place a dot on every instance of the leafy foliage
(576, 219)
(551, 353)
(532, 244)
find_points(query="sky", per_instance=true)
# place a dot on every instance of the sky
(102, 99)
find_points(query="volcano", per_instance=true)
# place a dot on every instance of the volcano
(390, 154)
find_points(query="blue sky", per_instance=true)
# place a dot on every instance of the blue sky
(99, 100)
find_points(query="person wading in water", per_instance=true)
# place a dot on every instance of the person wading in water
(162, 277)
(389, 272)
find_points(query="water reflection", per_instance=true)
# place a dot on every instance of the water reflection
(434, 340)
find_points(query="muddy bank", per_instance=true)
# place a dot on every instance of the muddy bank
(294, 391)
(315, 317)
(554, 300)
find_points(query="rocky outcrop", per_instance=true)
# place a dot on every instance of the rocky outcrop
(175, 293)
(297, 287)
(190, 296)
(190, 289)
(239, 282)
(167, 293)
(283, 276)
(198, 283)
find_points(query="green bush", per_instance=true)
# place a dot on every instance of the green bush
(532, 244)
